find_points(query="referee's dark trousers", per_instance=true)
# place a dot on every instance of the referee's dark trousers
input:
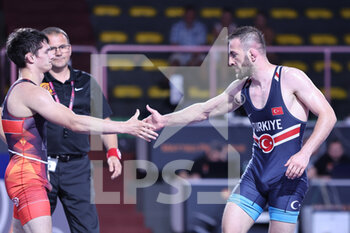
(72, 185)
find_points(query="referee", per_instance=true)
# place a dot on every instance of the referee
(69, 164)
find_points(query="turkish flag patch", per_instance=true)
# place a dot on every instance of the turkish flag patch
(277, 111)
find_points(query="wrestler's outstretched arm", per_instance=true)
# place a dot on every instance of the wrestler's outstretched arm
(227, 101)
(42, 103)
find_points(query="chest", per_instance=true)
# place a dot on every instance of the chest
(259, 95)
(78, 94)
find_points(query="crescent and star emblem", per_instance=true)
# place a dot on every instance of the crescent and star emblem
(266, 143)
(292, 205)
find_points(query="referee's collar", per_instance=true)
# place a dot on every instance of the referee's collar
(50, 78)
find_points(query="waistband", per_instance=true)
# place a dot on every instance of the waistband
(65, 157)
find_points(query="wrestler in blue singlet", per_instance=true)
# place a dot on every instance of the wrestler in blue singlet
(277, 136)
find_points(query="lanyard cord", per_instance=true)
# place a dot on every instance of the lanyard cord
(72, 96)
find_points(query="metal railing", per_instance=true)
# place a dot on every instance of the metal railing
(327, 52)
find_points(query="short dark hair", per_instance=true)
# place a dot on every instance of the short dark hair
(190, 8)
(227, 9)
(55, 30)
(23, 41)
(248, 34)
(333, 140)
(262, 13)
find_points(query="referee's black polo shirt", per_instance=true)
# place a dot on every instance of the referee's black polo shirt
(75, 143)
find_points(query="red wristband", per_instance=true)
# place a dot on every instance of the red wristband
(114, 152)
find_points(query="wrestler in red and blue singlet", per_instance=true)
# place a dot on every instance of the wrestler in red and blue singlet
(26, 174)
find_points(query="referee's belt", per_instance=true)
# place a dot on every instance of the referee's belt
(66, 158)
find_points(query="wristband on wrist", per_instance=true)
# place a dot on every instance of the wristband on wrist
(114, 152)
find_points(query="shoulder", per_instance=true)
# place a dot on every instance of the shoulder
(81, 74)
(30, 94)
(291, 72)
(234, 90)
(26, 88)
(236, 86)
(39, 93)
(294, 77)
(82, 78)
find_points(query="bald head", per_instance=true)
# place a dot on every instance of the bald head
(55, 31)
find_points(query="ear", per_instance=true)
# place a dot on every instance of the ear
(252, 54)
(29, 58)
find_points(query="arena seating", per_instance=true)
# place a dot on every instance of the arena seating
(297, 23)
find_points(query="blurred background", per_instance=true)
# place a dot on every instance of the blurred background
(313, 36)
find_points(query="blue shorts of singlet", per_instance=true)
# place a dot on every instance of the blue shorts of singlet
(283, 197)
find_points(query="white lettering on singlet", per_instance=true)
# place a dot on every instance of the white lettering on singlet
(262, 126)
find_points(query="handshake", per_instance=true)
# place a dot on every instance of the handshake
(145, 128)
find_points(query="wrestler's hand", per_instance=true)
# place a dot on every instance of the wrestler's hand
(114, 166)
(155, 118)
(140, 129)
(296, 165)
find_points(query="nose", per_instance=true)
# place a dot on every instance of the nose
(58, 52)
(231, 61)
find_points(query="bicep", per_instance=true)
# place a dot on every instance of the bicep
(222, 104)
(229, 100)
(43, 104)
(310, 95)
